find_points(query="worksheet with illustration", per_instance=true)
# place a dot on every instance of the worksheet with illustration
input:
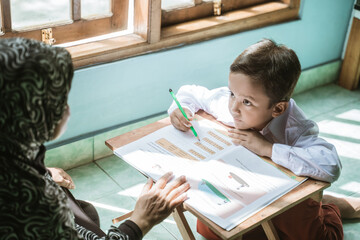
(228, 183)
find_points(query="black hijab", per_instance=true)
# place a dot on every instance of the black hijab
(35, 80)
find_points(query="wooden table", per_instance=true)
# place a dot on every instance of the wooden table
(308, 189)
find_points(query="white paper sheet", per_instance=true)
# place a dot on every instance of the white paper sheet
(228, 183)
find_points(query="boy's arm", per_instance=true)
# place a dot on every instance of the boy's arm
(309, 156)
(197, 98)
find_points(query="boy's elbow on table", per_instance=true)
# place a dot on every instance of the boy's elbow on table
(327, 168)
(316, 162)
(326, 173)
(330, 164)
(331, 173)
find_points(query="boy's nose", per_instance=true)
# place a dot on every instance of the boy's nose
(235, 107)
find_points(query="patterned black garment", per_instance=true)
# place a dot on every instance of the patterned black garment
(35, 81)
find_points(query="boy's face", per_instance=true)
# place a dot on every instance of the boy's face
(248, 103)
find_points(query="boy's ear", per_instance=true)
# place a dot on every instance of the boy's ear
(279, 108)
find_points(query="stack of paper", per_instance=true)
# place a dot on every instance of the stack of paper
(228, 183)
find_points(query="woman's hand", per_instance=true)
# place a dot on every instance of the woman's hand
(62, 178)
(252, 140)
(179, 121)
(156, 202)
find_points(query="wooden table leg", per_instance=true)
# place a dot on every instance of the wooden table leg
(317, 196)
(182, 224)
(270, 230)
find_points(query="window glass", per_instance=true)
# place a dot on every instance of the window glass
(173, 4)
(94, 8)
(38, 12)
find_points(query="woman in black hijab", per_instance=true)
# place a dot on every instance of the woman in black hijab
(35, 81)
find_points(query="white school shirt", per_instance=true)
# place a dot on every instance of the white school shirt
(296, 147)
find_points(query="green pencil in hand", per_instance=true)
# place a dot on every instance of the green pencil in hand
(183, 112)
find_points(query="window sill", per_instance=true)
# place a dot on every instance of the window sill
(185, 33)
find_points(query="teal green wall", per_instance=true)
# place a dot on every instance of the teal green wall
(115, 93)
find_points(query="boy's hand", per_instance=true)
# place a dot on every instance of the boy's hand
(179, 121)
(252, 140)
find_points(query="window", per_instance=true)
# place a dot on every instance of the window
(70, 20)
(153, 24)
(178, 11)
(51, 12)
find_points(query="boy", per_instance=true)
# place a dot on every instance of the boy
(267, 122)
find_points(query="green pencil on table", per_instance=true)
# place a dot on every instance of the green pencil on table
(183, 112)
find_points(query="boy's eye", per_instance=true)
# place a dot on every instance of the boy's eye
(246, 102)
(232, 94)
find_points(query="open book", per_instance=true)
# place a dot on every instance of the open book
(228, 183)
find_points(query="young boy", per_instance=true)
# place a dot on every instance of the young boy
(268, 122)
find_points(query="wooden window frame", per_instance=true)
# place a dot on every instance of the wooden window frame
(203, 9)
(150, 36)
(74, 29)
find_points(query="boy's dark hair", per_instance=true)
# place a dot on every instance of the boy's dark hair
(274, 66)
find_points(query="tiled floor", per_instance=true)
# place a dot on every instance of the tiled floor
(112, 185)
